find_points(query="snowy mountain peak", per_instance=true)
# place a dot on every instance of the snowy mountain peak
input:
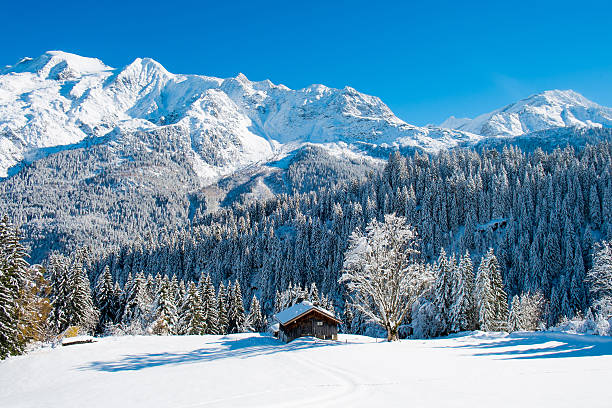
(59, 99)
(57, 65)
(454, 123)
(545, 110)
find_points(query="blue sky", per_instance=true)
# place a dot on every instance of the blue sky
(426, 60)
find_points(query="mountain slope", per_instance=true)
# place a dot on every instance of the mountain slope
(61, 99)
(547, 110)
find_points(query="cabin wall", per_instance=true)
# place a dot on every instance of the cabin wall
(310, 325)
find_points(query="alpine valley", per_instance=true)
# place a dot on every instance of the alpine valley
(178, 175)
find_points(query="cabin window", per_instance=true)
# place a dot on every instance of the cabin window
(319, 323)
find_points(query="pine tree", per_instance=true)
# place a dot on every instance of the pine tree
(136, 307)
(462, 314)
(223, 320)
(600, 278)
(82, 312)
(443, 292)
(491, 297)
(105, 300)
(485, 297)
(59, 282)
(500, 296)
(13, 280)
(348, 316)
(313, 294)
(211, 308)
(192, 319)
(236, 318)
(255, 321)
(164, 309)
(594, 206)
(514, 319)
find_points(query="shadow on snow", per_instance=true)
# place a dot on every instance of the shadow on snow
(217, 350)
(542, 345)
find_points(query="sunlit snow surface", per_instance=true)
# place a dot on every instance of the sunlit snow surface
(492, 370)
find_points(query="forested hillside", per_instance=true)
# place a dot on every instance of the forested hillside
(542, 212)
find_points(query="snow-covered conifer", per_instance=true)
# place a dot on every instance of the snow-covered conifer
(255, 320)
(236, 318)
(600, 278)
(13, 281)
(211, 308)
(485, 297)
(443, 290)
(223, 320)
(164, 309)
(462, 310)
(136, 308)
(105, 300)
(192, 319)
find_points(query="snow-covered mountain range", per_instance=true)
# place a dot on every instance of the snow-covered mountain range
(546, 110)
(59, 100)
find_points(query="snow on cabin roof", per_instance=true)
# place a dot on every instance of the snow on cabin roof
(295, 311)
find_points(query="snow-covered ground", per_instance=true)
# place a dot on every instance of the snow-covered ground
(521, 369)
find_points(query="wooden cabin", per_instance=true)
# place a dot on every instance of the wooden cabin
(305, 319)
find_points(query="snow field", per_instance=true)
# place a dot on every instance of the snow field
(473, 369)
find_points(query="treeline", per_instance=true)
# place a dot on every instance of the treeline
(541, 212)
(24, 304)
(41, 304)
(145, 304)
(387, 284)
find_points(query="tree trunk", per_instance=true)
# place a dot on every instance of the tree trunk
(392, 333)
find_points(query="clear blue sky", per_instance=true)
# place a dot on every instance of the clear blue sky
(426, 60)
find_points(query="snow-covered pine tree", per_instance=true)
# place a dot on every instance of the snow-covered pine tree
(204, 295)
(211, 307)
(527, 312)
(182, 291)
(192, 319)
(277, 302)
(443, 291)
(125, 290)
(514, 318)
(491, 296)
(500, 296)
(485, 297)
(81, 310)
(164, 309)
(236, 318)
(347, 318)
(136, 309)
(255, 320)
(105, 300)
(462, 313)
(223, 320)
(599, 278)
(58, 273)
(13, 281)
(313, 294)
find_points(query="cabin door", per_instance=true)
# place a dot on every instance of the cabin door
(318, 328)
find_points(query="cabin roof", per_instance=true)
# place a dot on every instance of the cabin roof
(296, 311)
